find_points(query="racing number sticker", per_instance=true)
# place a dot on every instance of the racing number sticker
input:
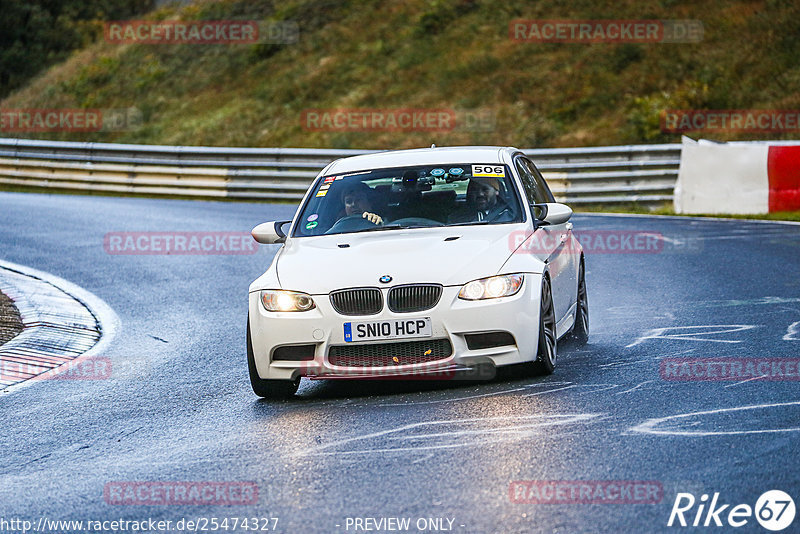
(493, 171)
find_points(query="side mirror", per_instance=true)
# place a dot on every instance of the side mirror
(551, 213)
(269, 233)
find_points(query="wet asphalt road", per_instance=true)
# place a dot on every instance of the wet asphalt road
(178, 405)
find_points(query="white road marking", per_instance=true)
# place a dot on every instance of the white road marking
(661, 333)
(463, 433)
(637, 386)
(626, 363)
(793, 329)
(521, 427)
(667, 239)
(412, 403)
(747, 380)
(550, 391)
(649, 426)
(455, 399)
(600, 387)
(638, 310)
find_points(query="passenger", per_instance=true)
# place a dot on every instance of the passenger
(484, 202)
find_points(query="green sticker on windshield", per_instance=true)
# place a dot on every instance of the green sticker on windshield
(311, 225)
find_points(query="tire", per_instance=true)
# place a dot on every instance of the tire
(547, 350)
(580, 330)
(268, 389)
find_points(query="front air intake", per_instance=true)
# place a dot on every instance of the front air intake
(357, 301)
(414, 297)
(390, 354)
(489, 340)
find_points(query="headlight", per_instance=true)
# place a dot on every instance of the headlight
(286, 301)
(491, 288)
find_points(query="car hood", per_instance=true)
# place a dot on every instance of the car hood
(448, 256)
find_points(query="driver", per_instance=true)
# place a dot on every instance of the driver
(356, 199)
(483, 202)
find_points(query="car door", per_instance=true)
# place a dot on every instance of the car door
(571, 250)
(553, 240)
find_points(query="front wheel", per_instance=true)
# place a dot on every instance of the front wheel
(268, 389)
(547, 351)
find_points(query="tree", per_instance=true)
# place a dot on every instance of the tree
(35, 34)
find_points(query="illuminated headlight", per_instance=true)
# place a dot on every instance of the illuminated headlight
(491, 288)
(286, 301)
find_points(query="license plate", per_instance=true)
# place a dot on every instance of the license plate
(391, 329)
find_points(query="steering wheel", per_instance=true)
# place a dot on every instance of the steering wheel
(501, 212)
(416, 221)
(350, 223)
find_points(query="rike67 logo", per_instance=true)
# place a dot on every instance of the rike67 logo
(774, 510)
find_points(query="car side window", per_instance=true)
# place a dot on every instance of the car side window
(527, 180)
(542, 191)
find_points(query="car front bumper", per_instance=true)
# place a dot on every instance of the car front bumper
(452, 319)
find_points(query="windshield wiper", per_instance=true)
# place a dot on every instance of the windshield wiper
(470, 223)
(391, 227)
(381, 227)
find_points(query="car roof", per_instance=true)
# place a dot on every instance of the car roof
(422, 156)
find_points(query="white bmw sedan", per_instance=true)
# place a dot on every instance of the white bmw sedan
(417, 264)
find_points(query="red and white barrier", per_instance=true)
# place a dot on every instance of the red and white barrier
(739, 177)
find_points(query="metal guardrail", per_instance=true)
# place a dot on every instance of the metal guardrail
(591, 175)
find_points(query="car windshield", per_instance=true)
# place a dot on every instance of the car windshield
(411, 197)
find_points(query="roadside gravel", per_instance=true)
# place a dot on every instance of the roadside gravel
(10, 323)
